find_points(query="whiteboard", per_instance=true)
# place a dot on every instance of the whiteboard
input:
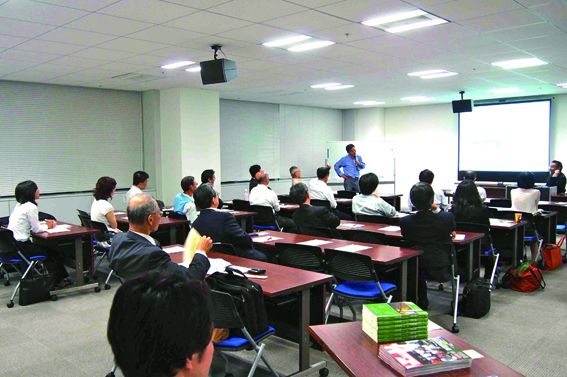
(378, 156)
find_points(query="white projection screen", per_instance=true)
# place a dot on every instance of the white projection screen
(508, 137)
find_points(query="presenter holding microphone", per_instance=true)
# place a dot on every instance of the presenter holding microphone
(351, 165)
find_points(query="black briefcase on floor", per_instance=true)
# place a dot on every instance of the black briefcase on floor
(34, 288)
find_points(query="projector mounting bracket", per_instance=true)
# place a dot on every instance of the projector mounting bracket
(216, 48)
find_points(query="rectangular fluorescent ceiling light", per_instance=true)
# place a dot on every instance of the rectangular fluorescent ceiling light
(197, 68)
(505, 91)
(310, 46)
(369, 103)
(177, 64)
(400, 22)
(417, 98)
(519, 63)
(563, 85)
(433, 74)
(339, 87)
(286, 41)
(325, 85)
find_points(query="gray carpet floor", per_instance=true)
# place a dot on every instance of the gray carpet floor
(67, 338)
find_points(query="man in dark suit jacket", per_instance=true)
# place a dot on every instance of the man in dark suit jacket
(135, 251)
(222, 226)
(308, 218)
(427, 228)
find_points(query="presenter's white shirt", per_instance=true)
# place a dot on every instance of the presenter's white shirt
(525, 200)
(134, 190)
(24, 220)
(321, 191)
(261, 195)
(99, 210)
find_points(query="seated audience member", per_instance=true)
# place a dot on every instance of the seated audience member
(308, 216)
(135, 251)
(556, 177)
(208, 176)
(467, 206)
(318, 188)
(101, 209)
(262, 195)
(183, 203)
(470, 175)
(139, 184)
(254, 170)
(369, 202)
(295, 173)
(526, 199)
(161, 325)
(425, 227)
(427, 177)
(24, 220)
(221, 226)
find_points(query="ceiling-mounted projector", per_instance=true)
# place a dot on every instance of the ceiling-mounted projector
(218, 70)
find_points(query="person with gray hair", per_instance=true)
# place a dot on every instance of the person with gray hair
(295, 173)
(135, 251)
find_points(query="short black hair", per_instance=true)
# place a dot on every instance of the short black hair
(558, 163)
(368, 183)
(187, 182)
(322, 172)
(298, 193)
(204, 196)
(421, 196)
(206, 175)
(469, 174)
(526, 180)
(139, 177)
(158, 321)
(426, 176)
(349, 147)
(25, 192)
(254, 169)
(104, 187)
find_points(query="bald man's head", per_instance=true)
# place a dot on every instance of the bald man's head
(140, 207)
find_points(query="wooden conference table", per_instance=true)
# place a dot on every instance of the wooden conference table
(383, 255)
(165, 223)
(283, 281)
(357, 354)
(74, 233)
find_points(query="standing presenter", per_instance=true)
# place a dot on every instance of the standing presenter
(351, 165)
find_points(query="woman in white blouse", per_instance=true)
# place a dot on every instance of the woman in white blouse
(526, 199)
(101, 209)
(24, 221)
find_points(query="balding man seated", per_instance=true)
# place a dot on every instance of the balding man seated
(135, 251)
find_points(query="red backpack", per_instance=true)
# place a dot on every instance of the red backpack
(524, 278)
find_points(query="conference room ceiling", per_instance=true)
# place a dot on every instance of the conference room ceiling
(122, 44)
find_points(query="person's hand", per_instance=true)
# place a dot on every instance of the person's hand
(434, 206)
(556, 172)
(327, 165)
(345, 177)
(453, 234)
(205, 244)
(356, 162)
(51, 224)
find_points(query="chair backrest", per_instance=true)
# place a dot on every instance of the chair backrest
(317, 231)
(85, 219)
(224, 311)
(377, 219)
(348, 266)
(346, 194)
(285, 199)
(264, 215)
(321, 203)
(561, 218)
(364, 236)
(304, 257)
(83, 213)
(438, 261)
(224, 248)
(241, 205)
(477, 228)
(45, 216)
(7, 243)
(4, 221)
(103, 231)
(502, 203)
(176, 215)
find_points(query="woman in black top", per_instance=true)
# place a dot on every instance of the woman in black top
(467, 205)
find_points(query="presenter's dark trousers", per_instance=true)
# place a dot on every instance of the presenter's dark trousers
(351, 184)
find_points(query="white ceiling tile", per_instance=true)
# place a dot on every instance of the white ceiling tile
(166, 35)
(533, 45)
(26, 10)
(313, 3)
(118, 68)
(502, 21)
(148, 60)
(78, 37)
(89, 5)
(228, 45)
(198, 4)
(132, 45)
(9, 66)
(73, 61)
(466, 9)
(147, 10)
(308, 21)
(360, 10)
(524, 32)
(208, 23)
(183, 53)
(554, 12)
(425, 4)
(103, 54)
(257, 10)
(258, 52)
(7, 41)
(101, 23)
(29, 75)
(257, 34)
(348, 33)
(27, 56)
(49, 47)
(22, 28)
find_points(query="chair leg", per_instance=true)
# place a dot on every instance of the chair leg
(494, 269)
(269, 366)
(328, 308)
(30, 267)
(457, 280)
(4, 274)
(352, 312)
(106, 285)
(259, 353)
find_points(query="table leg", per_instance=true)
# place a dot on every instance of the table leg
(413, 276)
(79, 261)
(304, 323)
(172, 235)
(404, 280)
(515, 248)
(243, 223)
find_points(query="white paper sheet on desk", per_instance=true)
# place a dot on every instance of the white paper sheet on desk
(59, 229)
(119, 213)
(352, 248)
(391, 228)
(224, 210)
(349, 225)
(460, 237)
(432, 326)
(473, 354)
(173, 249)
(217, 265)
(314, 242)
(265, 239)
(401, 214)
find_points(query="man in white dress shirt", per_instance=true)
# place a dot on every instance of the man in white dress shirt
(262, 195)
(139, 184)
(319, 190)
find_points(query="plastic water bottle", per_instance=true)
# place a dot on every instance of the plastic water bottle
(245, 194)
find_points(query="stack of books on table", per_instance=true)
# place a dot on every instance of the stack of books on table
(393, 322)
(421, 357)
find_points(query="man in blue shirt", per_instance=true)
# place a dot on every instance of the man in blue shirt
(351, 165)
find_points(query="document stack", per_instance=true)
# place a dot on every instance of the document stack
(393, 322)
(422, 357)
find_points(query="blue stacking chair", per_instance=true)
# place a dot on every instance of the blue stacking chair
(356, 281)
(10, 255)
(226, 316)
